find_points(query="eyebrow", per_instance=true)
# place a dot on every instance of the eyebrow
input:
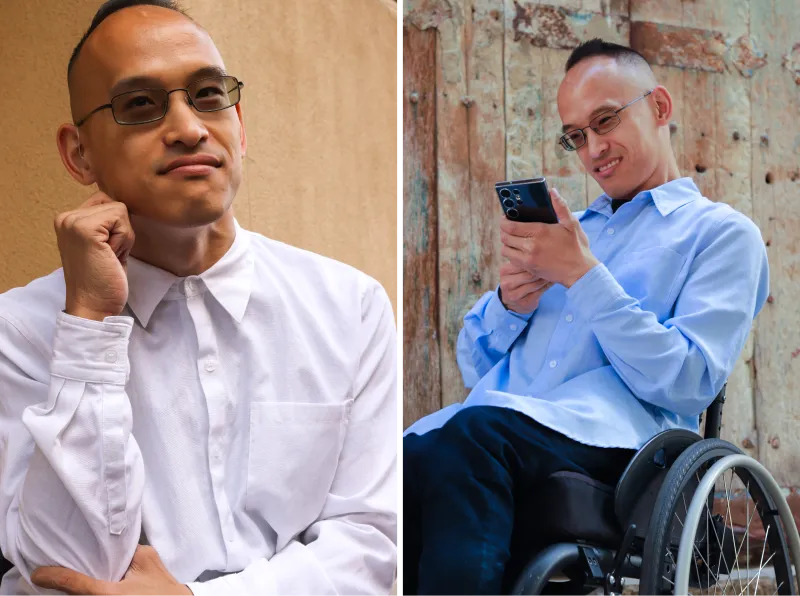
(143, 82)
(606, 107)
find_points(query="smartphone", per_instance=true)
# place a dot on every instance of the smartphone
(526, 200)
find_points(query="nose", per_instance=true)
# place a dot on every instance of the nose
(595, 144)
(183, 123)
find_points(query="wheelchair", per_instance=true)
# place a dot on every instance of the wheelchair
(668, 523)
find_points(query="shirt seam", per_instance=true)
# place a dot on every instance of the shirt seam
(17, 326)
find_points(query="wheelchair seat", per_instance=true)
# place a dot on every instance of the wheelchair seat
(579, 508)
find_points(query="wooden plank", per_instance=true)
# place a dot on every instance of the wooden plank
(699, 140)
(453, 180)
(668, 12)
(775, 118)
(731, 111)
(684, 47)
(421, 375)
(547, 26)
(469, 241)
(562, 168)
(524, 109)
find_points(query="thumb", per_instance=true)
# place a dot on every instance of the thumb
(561, 208)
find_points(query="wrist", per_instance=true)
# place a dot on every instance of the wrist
(87, 313)
(579, 273)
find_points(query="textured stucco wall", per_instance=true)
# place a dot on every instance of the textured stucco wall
(319, 105)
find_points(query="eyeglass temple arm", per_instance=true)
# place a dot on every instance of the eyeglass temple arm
(94, 111)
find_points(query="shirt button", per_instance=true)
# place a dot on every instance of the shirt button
(512, 327)
(111, 356)
(570, 318)
(210, 366)
(553, 363)
(610, 231)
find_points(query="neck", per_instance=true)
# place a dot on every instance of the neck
(666, 171)
(182, 251)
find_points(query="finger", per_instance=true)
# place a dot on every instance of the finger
(515, 280)
(532, 292)
(514, 241)
(69, 581)
(525, 290)
(97, 198)
(522, 229)
(516, 256)
(561, 208)
(510, 269)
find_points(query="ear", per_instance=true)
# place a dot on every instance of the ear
(74, 155)
(663, 102)
(241, 125)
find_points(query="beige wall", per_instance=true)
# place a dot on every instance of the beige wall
(320, 106)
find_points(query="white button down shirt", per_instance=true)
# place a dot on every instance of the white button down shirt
(241, 421)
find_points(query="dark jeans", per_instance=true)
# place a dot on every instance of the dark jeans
(464, 495)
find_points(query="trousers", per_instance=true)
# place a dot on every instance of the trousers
(465, 486)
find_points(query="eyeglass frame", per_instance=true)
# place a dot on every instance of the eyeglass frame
(616, 112)
(239, 85)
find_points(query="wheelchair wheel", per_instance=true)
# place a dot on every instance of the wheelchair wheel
(725, 521)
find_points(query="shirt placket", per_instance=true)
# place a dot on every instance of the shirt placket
(217, 401)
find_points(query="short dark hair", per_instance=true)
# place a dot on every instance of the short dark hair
(110, 7)
(598, 47)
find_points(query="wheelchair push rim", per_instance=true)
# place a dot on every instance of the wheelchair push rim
(712, 546)
(779, 548)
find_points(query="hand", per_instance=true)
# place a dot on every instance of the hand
(95, 241)
(146, 575)
(558, 252)
(520, 291)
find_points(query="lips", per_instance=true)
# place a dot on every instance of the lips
(607, 168)
(192, 160)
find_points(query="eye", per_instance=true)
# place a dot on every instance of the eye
(138, 101)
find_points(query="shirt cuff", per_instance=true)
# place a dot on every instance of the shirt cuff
(91, 351)
(595, 292)
(497, 315)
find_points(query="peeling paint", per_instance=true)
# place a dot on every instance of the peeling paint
(791, 62)
(681, 47)
(427, 14)
(746, 56)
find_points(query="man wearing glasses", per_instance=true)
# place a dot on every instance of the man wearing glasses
(187, 405)
(608, 327)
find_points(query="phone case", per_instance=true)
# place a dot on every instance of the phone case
(526, 200)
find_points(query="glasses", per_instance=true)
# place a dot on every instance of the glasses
(602, 124)
(148, 105)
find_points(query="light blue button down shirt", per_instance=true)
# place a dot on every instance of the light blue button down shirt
(640, 344)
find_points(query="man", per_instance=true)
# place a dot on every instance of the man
(183, 383)
(608, 327)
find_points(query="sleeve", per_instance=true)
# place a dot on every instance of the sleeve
(352, 547)
(681, 365)
(489, 332)
(71, 474)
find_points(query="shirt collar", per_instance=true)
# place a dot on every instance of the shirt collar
(667, 197)
(230, 281)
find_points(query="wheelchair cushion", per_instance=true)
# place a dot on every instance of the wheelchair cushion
(574, 507)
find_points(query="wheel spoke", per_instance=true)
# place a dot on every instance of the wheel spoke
(747, 538)
(759, 573)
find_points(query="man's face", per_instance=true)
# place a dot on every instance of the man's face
(597, 85)
(129, 162)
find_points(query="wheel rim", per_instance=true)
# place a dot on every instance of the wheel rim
(732, 553)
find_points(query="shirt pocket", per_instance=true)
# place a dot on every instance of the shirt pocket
(294, 449)
(652, 276)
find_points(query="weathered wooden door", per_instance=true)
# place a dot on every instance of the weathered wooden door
(479, 106)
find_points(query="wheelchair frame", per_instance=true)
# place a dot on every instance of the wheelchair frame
(588, 566)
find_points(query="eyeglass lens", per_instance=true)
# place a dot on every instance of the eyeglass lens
(146, 105)
(601, 125)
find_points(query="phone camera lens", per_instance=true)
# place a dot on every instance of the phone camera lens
(505, 193)
(512, 213)
(509, 203)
